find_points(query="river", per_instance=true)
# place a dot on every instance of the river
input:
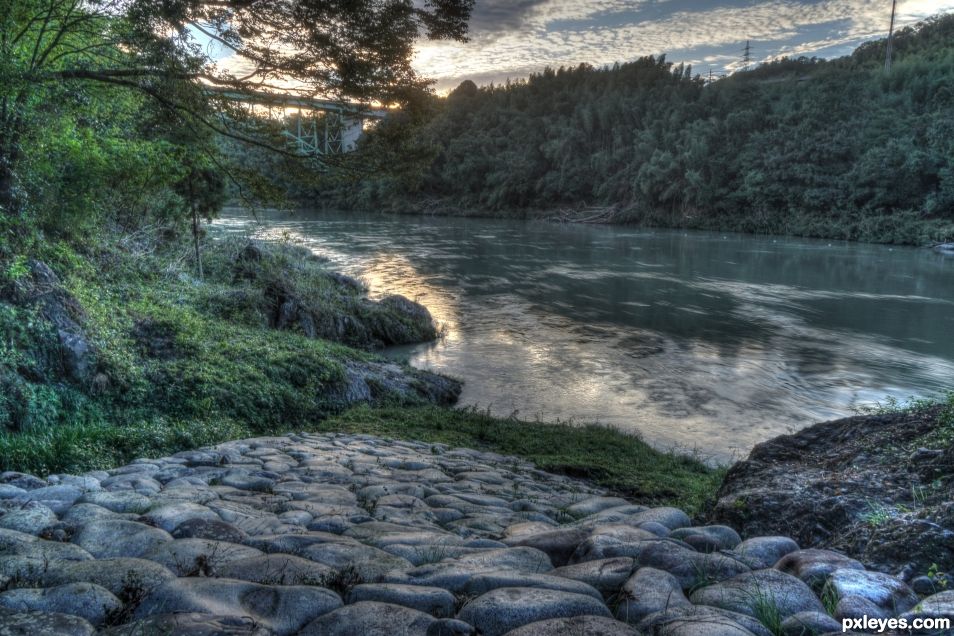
(699, 341)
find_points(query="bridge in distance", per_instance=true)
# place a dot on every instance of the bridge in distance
(313, 127)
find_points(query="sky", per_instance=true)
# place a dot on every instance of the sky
(512, 38)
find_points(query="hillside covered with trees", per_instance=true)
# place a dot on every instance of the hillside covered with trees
(837, 149)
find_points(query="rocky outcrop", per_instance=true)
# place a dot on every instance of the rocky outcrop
(303, 297)
(879, 488)
(352, 534)
(40, 289)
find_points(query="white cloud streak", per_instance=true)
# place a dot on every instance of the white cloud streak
(607, 31)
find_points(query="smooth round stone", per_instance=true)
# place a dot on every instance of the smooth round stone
(885, 591)
(607, 546)
(430, 600)
(57, 498)
(31, 518)
(248, 481)
(450, 627)
(809, 623)
(85, 483)
(558, 544)
(670, 518)
(646, 592)
(195, 557)
(852, 606)
(699, 620)
(119, 538)
(27, 545)
(814, 566)
(522, 559)
(212, 529)
(588, 625)
(276, 569)
(369, 563)
(708, 538)
(500, 611)
(82, 513)
(335, 524)
(119, 501)
(295, 543)
(482, 583)
(763, 552)
(690, 567)
(190, 624)
(606, 575)
(21, 480)
(283, 609)
(940, 605)
(86, 600)
(10, 492)
(23, 623)
(370, 618)
(170, 516)
(593, 505)
(120, 576)
(748, 592)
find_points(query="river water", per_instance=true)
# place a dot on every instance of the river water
(700, 341)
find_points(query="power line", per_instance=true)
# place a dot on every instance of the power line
(746, 56)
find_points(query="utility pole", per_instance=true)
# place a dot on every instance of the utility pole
(746, 56)
(887, 55)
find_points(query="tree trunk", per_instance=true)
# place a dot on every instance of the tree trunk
(196, 242)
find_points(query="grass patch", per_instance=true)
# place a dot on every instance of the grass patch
(619, 462)
(102, 444)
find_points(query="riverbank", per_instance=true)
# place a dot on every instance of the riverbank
(120, 351)
(902, 228)
(339, 534)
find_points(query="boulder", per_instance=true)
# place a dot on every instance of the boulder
(586, 625)
(646, 592)
(605, 575)
(368, 618)
(110, 538)
(760, 593)
(699, 620)
(283, 609)
(276, 569)
(815, 566)
(887, 592)
(26, 623)
(123, 577)
(86, 600)
(763, 552)
(435, 601)
(199, 557)
(190, 624)
(691, 568)
(503, 610)
(807, 623)
(479, 584)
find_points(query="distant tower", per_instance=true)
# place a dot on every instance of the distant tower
(887, 55)
(746, 56)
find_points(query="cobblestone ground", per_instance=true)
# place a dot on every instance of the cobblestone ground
(352, 534)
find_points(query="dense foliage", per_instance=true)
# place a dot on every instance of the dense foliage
(802, 146)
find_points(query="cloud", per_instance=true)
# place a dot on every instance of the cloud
(532, 34)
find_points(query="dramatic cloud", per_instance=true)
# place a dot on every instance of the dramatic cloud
(513, 38)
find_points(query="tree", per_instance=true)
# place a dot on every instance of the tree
(358, 49)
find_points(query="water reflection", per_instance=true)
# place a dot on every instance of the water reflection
(692, 339)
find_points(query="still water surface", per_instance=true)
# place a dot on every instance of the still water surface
(694, 340)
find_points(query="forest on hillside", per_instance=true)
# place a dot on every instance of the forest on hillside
(836, 148)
